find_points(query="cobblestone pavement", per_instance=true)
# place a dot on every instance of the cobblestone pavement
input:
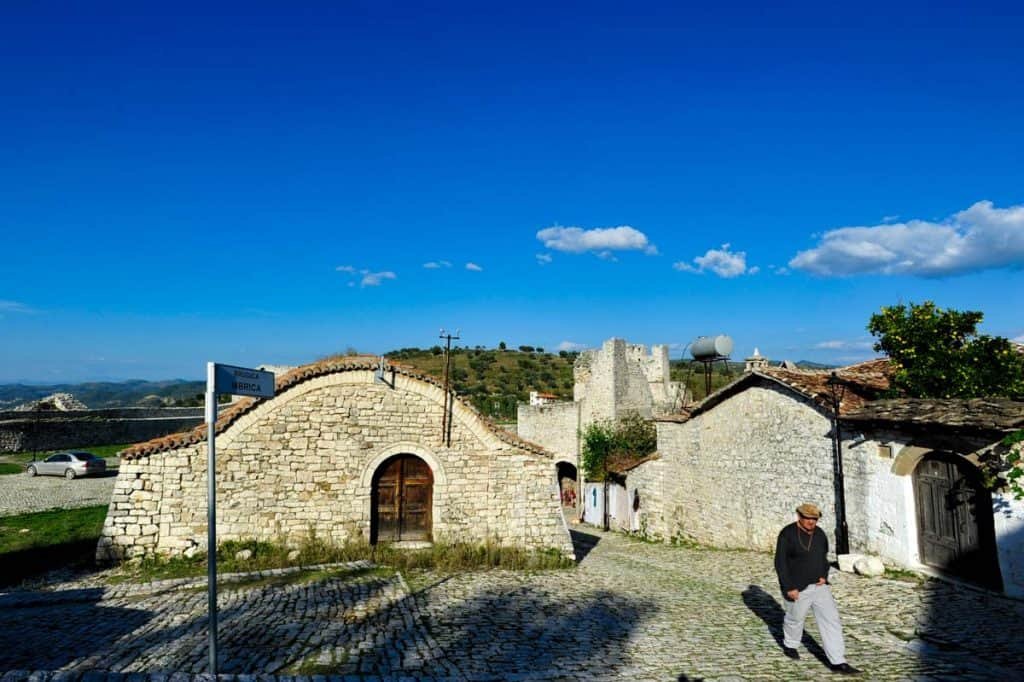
(630, 611)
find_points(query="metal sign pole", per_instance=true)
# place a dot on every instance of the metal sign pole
(211, 496)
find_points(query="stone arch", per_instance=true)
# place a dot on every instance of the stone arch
(402, 500)
(907, 459)
(366, 481)
(567, 475)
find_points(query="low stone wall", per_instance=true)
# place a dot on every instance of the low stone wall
(303, 464)
(67, 433)
(79, 429)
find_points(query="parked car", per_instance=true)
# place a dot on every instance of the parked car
(68, 464)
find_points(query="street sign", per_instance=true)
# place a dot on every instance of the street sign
(243, 381)
(231, 380)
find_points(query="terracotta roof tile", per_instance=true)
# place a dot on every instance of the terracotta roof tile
(623, 463)
(864, 381)
(296, 376)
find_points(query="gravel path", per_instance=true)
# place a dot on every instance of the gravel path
(21, 493)
(630, 611)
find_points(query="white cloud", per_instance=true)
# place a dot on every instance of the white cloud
(572, 345)
(368, 279)
(979, 238)
(374, 279)
(1019, 339)
(434, 265)
(14, 307)
(543, 258)
(722, 262)
(843, 345)
(598, 240)
(473, 267)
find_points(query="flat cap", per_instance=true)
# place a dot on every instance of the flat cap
(809, 511)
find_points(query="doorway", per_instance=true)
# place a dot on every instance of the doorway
(956, 533)
(402, 500)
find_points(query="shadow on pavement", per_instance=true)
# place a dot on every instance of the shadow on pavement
(582, 542)
(765, 607)
(514, 632)
(50, 630)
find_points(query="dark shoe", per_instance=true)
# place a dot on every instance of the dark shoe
(845, 669)
(792, 653)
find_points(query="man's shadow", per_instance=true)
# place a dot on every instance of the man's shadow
(768, 610)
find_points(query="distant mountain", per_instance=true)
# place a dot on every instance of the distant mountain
(135, 393)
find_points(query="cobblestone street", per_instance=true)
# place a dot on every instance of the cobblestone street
(631, 611)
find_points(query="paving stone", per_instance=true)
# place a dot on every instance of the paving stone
(630, 611)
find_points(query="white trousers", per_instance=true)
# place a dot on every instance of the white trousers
(819, 598)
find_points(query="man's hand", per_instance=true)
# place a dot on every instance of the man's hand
(793, 594)
(821, 581)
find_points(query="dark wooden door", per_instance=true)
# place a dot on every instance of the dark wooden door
(402, 499)
(954, 515)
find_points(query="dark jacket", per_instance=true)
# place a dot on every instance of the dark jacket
(797, 565)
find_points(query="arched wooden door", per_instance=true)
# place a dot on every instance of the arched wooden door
(956, 533)
(403, 494)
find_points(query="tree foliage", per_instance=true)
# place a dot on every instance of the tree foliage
(939, 353)
(630, 437)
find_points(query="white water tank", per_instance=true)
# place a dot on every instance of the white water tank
(711, 347)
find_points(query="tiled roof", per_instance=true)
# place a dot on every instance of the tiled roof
(622, 464)
(979, 414)
(297, 376)
(864, 381)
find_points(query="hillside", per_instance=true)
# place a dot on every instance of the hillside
(494, 381)
(110, 394)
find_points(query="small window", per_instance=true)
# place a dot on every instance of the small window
(53, 458)
(85, 456)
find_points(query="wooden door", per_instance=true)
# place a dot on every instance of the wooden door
(954, 515)
(402, 500)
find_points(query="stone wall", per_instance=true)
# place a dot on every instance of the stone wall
(555, 426)
(303, 462)
(62, 430)
(732, 476)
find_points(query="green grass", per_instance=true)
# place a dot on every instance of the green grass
(48, 528)
(31, 544)
(903, 575)
(9, 468)
(446, 558)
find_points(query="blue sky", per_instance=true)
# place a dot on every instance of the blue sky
(260, 184)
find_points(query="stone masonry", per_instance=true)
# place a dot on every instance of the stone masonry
(732, 476)
(302, 463)
(614, 381)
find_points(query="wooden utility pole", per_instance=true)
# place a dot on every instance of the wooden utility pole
(446, 421)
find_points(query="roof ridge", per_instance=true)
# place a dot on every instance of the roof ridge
(300, 375)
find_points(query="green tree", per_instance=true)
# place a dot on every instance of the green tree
(501, 345)
(939, 353)
(631, 437)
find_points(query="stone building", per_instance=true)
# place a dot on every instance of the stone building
(344, 453)
(616, 380)
(914, 496)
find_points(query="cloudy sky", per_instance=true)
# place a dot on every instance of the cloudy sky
(270, 186)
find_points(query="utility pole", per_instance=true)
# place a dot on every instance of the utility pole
(446, 426)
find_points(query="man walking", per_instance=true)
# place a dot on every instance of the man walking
(801, 562)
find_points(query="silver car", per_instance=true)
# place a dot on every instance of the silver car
(68, 464)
